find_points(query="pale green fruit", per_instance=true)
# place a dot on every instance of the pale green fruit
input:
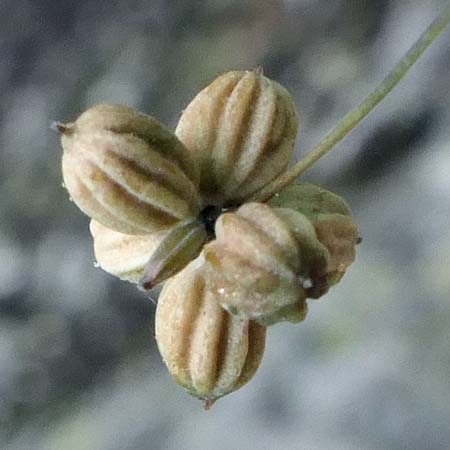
(310, 199)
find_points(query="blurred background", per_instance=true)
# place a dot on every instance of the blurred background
(368, 369)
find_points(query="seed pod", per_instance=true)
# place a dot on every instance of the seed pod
(264, 261)
(331, 218)
(207, 351)
(123, 255)
(241, 129)
(128, 171)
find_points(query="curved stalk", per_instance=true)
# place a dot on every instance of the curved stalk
(354, 117)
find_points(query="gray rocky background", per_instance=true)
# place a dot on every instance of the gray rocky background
(368, 369)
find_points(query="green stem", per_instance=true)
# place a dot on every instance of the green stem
(354, 117)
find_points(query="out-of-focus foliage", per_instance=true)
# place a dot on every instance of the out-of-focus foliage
(368, 369)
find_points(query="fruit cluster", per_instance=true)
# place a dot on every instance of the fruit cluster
(175, 208)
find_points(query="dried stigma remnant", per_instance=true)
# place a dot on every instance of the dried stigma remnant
(176, 207)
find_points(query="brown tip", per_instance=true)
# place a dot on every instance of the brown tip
(208, 403)
(146, 284)
(61, 127)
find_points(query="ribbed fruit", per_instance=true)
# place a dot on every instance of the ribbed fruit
(128, 171)
(241, 129)
(264, 261)
(123, 255)
(206, 350)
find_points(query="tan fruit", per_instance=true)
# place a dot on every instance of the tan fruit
(340, 236)
(264, 261)
(128, 171)
(207, 351)
(241, 129)
(122, 255)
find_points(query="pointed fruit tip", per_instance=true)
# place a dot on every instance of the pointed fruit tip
(208, 403)
(147, 284)
(60, 127)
